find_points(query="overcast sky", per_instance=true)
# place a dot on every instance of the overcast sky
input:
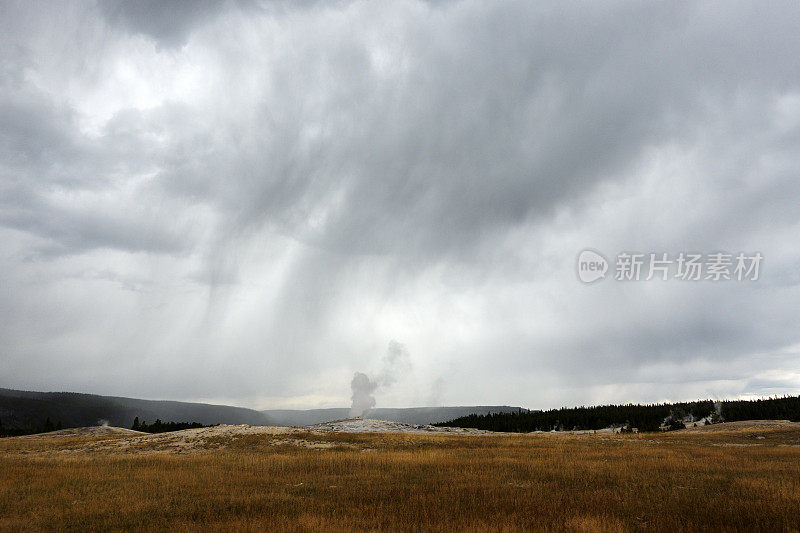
(248, 202)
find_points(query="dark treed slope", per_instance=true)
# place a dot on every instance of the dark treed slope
(28, 411)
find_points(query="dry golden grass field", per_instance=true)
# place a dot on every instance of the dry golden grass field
(730, 477)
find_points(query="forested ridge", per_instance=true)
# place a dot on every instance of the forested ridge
(648, 417)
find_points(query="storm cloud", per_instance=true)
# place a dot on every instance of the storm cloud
(246, 201)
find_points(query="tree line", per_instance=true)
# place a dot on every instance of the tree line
(783, 408)
(648, 417)
(162, 427)
(30, 429)
(47, 425)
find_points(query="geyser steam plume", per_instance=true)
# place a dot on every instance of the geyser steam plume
(363, 387)
(362, 397)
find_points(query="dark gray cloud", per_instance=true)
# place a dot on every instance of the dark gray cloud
(259, 196)
(169, 23)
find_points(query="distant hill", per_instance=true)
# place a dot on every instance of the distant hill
(409, 415)
(27, 412)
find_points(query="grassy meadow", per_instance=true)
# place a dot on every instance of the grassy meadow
(737, 479)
